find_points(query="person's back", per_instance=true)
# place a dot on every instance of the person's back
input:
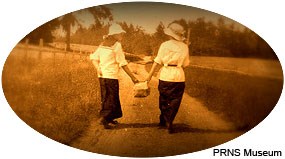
(174, 56)
(174, 52)
(109, 60)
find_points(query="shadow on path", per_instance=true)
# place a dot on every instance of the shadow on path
(178, 128)
(138, 134)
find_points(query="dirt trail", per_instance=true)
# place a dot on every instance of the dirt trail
(137, 135)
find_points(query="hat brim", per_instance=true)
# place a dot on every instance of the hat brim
(117, 32)
(169, 32)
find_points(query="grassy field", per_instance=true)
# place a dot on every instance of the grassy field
(55, 92)
(243, 91)
(246, 66)
(58, 94)
(58, 97)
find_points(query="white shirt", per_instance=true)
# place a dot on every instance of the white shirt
(109, 59)
(172, 52)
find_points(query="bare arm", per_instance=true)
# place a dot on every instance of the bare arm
(128, 71)
(151, 72)
(96, 64)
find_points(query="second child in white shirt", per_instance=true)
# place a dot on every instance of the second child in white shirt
(173, 57)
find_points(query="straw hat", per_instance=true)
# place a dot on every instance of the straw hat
(176, 31)
(115, 29)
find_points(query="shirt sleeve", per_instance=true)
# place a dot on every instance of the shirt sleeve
(95, 55)
(161, 50)
(186, 61)
(120, 56)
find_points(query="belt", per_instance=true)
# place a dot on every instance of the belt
(171, 65)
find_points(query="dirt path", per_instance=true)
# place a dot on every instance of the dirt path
(137, 135)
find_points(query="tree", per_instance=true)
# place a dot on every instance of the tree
(157, 38)
(99, 14)
(135, 41)
(67, 21)
(43, 32)
(92, 35)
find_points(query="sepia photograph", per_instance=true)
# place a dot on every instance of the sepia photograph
(142, 79)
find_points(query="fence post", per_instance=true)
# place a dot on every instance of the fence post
(41, 44)
(26, 48)
(27, 41)
(54, 58)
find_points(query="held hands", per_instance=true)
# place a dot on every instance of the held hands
(148, 79)
(135, 80)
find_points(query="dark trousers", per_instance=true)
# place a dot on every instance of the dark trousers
(110, 102)
(170, 96)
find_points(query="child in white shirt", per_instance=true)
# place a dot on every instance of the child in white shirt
(107, 59)
(173, 57)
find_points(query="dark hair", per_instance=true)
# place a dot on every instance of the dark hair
(109, 41)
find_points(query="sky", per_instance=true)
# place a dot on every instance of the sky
(149, 15)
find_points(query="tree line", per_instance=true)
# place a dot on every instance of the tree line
(205, 38)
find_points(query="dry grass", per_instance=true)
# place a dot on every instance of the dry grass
(237, 90)
(248, 66)
(57, 98)
(244, 100)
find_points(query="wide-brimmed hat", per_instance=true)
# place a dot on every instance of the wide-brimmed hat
(115, 29)
(176, 31)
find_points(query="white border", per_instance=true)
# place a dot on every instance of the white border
(18, 18)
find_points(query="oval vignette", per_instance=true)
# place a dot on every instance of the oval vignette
(233, 82)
